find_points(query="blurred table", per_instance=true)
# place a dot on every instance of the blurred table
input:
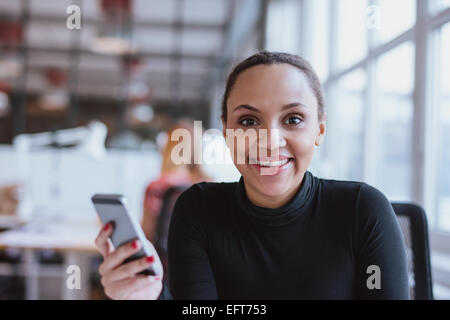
(73, 238)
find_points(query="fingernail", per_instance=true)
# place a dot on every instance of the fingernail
(106, 227)
(150, 259)
(157, 277)
(134, 244)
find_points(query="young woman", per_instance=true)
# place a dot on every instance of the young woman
(283, 235)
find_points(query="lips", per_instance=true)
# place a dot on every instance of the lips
(274, 168)
(271, 161)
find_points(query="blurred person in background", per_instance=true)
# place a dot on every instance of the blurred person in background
(171, 175)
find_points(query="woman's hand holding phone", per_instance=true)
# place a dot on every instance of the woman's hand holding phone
(121, 281)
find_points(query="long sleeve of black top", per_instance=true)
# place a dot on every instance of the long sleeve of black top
(323, 244)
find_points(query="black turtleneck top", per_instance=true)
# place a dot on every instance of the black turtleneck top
(320, 245)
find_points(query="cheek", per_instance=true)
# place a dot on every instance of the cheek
(301, 145)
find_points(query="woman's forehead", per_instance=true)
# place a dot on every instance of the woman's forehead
(271, 84)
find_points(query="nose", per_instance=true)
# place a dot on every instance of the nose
(271, 141)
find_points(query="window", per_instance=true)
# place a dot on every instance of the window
(317, 52)
(394, 108)
(351, 31)
(385, 66)
(391, 18)
(439, 5)
(283, 23)
(377, 102)
(349, 124)
(443, 180)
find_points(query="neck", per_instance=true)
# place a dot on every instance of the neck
(261, 200)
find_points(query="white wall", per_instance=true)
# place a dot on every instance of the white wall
(77, 178)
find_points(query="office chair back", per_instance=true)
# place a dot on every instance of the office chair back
(162, 229)
(413, 223)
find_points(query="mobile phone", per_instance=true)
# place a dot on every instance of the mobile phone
(114, 208)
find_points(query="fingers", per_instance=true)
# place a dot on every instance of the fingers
(121, 280)
(102, 242)
(118, 256)
(129, 269)
(122, 289)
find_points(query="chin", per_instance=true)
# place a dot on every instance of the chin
(268, 185)
(273, 189)
(275, 185)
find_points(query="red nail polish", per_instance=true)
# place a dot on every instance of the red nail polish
(106, 227)
(134, 244)
(151, 259)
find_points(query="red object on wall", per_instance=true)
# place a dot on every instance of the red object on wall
(133, 63)
(116, 7)
(11, 33)
(4, 87)
(56, 77)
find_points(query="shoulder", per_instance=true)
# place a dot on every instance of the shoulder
(372, 209)
(368, 211)
(363, 193)
(375, 210)
(371, 197)
(359, 198)
(340, 188)
(339, 195)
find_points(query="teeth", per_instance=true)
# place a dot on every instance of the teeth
(272, 163)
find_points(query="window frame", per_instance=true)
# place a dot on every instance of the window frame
(423, 34)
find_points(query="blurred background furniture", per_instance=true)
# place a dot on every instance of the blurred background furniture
(9, 204)
(162, 231)
(72, 239)
(413, 222)
(9, 199)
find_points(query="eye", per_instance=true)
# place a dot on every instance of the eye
(293, 120)
(248, 122)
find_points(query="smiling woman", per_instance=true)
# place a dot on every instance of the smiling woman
(282, 235)
(276, 92)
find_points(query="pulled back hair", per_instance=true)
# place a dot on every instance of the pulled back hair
(268, 58)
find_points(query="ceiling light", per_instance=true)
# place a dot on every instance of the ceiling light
(54, 101)
(10, 67)
(112, 45)
(143, 113)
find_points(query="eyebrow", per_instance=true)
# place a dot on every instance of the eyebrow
(287, 106)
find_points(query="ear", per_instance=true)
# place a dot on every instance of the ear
(322, 128)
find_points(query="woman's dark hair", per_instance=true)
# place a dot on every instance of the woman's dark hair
(265, 57)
